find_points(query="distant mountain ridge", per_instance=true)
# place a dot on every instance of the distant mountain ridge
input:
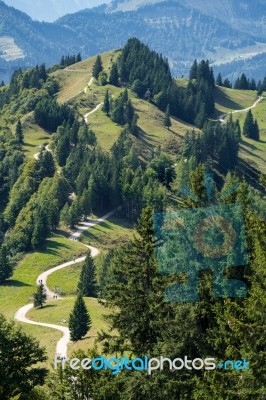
(181, 31)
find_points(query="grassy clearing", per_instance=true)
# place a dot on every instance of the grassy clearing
(55, 312)
(18, 290)
(72, 80)
(227, 100)
(68, 281)
(251, 151)
(110, 233)
(34, 136)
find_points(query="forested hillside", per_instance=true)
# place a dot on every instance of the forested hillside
(157, 152)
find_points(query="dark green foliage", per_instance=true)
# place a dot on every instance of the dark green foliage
(79, 320)
(87, 285)
(40, 296)
(70, 60)
(49, 114)
(139, 62)
(219, 81)
(114, 77)
(216, 144)
(97, 67)
(122, 110)
(132, 294)
(167, 121)
(165, 171)
(106, 103)
(243, 83)
(250, 127)
(19, 132)
(5, 265)
(227, 83)
(20, 354)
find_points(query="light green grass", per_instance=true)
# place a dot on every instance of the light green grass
(19, 289)
(254, 152)
(55, 312)
(110, 233)
(227, 100)
(34, 136)
(68, 282)
(73, 80)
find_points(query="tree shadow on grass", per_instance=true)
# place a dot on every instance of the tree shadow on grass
(14, 282)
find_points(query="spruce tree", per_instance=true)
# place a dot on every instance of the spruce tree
(79, 320)
(40, 296)
(256, 131)
(5, 266)
(19, 132)
(97, 67)
(248, 126)
(87, 285)
(106, 103)
(167, 121)
(135, 291)
(219, 81)
(114, 77)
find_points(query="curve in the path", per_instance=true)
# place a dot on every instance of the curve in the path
(36, 155)
(91, 112)
(61, 346)
(222, 117)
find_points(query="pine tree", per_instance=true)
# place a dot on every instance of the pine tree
(227, 83)
(5, 266)
(114, 77)
(201, 116)
(19, 132)
(79, 320)
(194, 71)
(40, 296)
(167, 120)
(219, 81)
(248, 127)
(87, 285)
(256, 131)
(134, 292)
(106, 103)
(97, 67)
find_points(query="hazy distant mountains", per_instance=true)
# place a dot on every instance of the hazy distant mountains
(229, 32)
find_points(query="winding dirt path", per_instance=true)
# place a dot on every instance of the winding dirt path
(21, 314)
(222, 117)
(91, 112)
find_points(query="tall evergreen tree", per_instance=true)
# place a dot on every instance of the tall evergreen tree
(167, 120)
(79, 320)
(87, 284)
(114, 77)
(97, 67)
(250, 127)
(106, 103)
(219, 81)
(19, 132)
(40, 296)
(5, 266)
